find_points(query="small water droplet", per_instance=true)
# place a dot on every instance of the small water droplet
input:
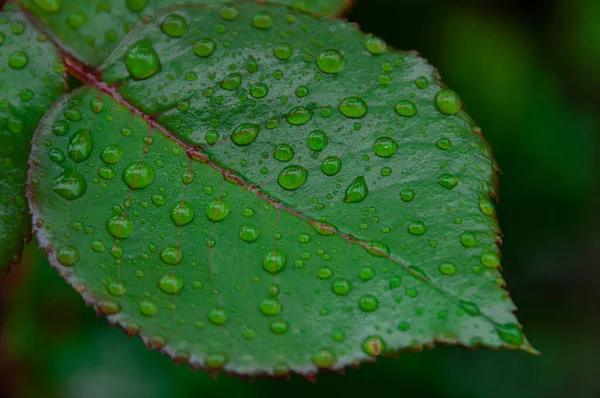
(369, 303)
(490, 259)
(119, 226)
(448, 269)
(374, 345)
(231, 81)
(283, 51)
(217, 210)
(357, 191)
(406, 108)
(283, 153)
(52, 6)
(385, 147)
(468, 239)
(342, 287)
(353, 107)
(245, 134)
(112, 154)
(324, 359)
(171, 255)
(470, 308)
(279, 327)
(249, 233)
(317, 140)
(270, 307)
(147, 308)
(292, 177)
(170, 284)
(259, 90)
(138, 175)
(229, 11)
(67, 255)
(444, 143)
(331, 165)
(182, 214)
(18, 60)
(299, 116)
(116, 289)
(216, 361)
(76, 20)
(417, 228)
(80, 146)
(70, 186)
(141, 60)
(511, 333)
(448, 181)
(218, 316)
(174, 25)
(263, 20)
(205, 47)
(375, 45)
(274, 261)
(330, 61)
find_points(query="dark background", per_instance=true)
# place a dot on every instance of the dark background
(530, 75)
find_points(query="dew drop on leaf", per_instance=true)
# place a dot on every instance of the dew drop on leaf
(357, 191)
(138, 175)
(170, 284)
(70, 185)
(274, 261)
(353, 107)
(217, 210)
(174, 25)
(182, 214)
(330, 61)
(374, 345)
(292, 177)
(385, 147)
(245, 134)
(448, 102)
(120, 226)
(67, 255)
(205, 47)
(141, 60)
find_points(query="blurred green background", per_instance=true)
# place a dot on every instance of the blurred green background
(530, 76)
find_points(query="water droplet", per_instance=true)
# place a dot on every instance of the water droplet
(56, 155)
(229, 11)
(369, 303)
(171, 255)
(283, 51)
(218, 316)
(141, 60)
(116, 289)
(279, 327)
(205, 47)
(448, 269)
(97, 105)
(70, 186)
(470, 308)
(249, 233)
(263, 20)
(302, 91)
(159, 199)
(147, 308)
(331, 165)
(342, 287)
(52, 6)
(378, 249)
(357, 191)
(112, 154)
(60, 128)
(444, 143)
(292, 177)
(217, 210)
(299, 116)
(448, 102)
(422, 82)
(486, 207)
(407, 195)
(108, 307)
(274, 261)
(245, 134)
(395, 282)
(283, 153)
(317, 140)
(76, 20)
(374, 345)
(107, 172)
(324, 359)
(490, 259)
(138, 175)
(417, 228)
(67, 255)
(353, 107)
(259, 90)
(216, 361)
(251, 64)
(120, 226)
(270, 307)
(330, 61)
(170, 284)
(232, 81)
(511, 333)
(182, 214)
(18, 60)
(375, 45)
(468, 239)
(385, 147)
(80, 146)
(174, 25)
(406, 108)
(448, 181)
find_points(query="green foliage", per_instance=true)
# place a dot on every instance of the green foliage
(31, 80)
(277, 192)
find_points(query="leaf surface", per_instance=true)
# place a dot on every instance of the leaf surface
(92, 30)
(276, 193)
(31, 79)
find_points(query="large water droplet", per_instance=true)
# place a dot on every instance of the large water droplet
(138, 175)
(232, 81)
(217, 210)
(120, 226)
(385, 147)
(70, 186)
(141, 60)
(299, 116)
(330, 61)
(182, 214)
(374, 345)
(205, 47)
(80, 146)
(52, 6)
(174, 25)
(331, 165)
(353, 107)
(357, 191)
(171, 255)
(292, 177)
(245, 134)
(170, 284)
(317, 140)
(18, 60)
(448, 102)
(274, 261)
(67, 255)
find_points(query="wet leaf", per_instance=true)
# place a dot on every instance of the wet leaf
(277, 193)
(30, 81)
(91, 32)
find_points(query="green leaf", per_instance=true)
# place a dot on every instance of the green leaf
(278, 193)
(92, 31)
(30, 81)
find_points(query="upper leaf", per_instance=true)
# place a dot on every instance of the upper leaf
(267, 191)
(31, 79)
(92, 31)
